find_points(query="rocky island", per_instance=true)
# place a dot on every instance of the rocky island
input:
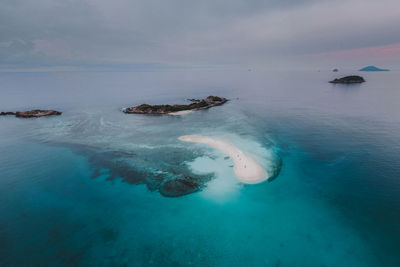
(197, 104)
(32, 113)
(349, 79)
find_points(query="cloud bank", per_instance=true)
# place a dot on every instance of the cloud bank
(153, 33)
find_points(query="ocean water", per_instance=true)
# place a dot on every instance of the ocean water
(85, 188)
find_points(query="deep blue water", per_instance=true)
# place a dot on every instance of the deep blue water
(81, 189)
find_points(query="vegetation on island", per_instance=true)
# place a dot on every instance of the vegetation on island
(196, 104)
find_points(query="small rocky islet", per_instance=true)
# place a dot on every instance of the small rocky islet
(349, 80)
(35, 113)
(197, 104)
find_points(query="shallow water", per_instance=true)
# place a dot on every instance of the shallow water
(83, 188)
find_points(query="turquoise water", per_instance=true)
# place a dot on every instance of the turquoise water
(84, 188)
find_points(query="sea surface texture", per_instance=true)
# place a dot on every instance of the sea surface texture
(91, 187)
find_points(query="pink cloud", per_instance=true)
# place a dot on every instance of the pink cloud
(385, 51)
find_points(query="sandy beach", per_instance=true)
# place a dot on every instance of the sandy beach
(183, 112)
(246, 169)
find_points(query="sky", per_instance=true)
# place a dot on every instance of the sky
(157, 34)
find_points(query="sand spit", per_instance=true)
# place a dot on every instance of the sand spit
(246, 169)
(183, 112)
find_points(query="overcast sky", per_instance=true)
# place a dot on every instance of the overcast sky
(184, 33)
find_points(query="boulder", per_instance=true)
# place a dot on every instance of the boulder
(349, 80)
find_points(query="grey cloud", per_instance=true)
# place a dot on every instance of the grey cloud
(185, 32)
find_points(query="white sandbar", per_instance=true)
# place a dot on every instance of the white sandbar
(246, 169)
(183, 112)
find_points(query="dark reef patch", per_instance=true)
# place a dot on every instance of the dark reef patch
(276, 170)
(70, 258)
(109, 235)
(162, 170)
(180, 186)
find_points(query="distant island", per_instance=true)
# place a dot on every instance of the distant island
(335, 70)
(349, 79)
(197, 104)
(373, 68)
(32, 113)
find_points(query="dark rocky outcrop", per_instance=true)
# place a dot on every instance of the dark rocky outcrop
(210, 101)
(32, 113)
(6, 113)
(349, 79)
(179, 187)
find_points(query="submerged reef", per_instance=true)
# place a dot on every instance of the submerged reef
(180, 186)
(161, 170)
(149, 155)
(210, 101)
(349, 79)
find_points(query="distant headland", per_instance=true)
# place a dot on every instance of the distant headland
(349, 79)
(32, 113)
(373, 68)
(197, 104)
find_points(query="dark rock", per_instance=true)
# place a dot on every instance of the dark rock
(210, 101)
(6, 113)
(349, 79)
(36, 113)
(335, 70)
(179, 187)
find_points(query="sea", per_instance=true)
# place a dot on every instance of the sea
(87, 188)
